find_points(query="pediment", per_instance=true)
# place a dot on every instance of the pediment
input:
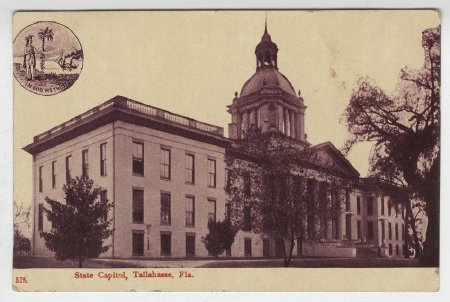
(328, 156)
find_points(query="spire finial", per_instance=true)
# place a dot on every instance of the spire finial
(265, 25)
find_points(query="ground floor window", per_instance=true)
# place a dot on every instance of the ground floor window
(166, 244)
(358, 229)
(397, 250)
(370, 230)
(247, 247)
(348, 226)
(266, 247)
(390, 249)
(138, 243)
(190, 244)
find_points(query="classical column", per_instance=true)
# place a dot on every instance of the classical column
(239, 124)
(280, 119)
(292, 123)
(252, 119)
(301, 125)
(245, 121)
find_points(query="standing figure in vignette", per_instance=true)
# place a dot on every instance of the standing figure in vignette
(29, 57)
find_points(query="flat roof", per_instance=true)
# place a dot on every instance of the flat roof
(128, 110)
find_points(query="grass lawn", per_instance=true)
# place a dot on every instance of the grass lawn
(319, 262)
(48, 262)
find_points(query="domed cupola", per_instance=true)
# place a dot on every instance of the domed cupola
(267, 100)
(266, 51)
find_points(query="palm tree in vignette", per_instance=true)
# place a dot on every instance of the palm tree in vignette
(45, 34)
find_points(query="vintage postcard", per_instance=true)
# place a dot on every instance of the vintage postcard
(263, 150)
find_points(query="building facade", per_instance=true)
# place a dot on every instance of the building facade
(166, 175)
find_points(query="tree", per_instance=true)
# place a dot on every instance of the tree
(45, 34)
(220, 237)
(268, 190)
(22, 244)
(80, 225)
(405, 128)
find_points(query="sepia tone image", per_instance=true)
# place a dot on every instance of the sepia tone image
(202, 140)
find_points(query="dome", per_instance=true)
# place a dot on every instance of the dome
(267, 77)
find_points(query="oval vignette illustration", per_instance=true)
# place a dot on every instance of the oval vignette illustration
(47, 58)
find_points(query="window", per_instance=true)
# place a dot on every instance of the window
(266, 247)
(383, 232)
(370, 230)
(211, 172)
(396, 231)
(165, 163)
(104, 199)
(390, 249)
(369, 206)
(358, 229)
(189, 170)
(403, 232)
(397, 250)
(247, 247)
(358, 205)
(40, 217)
(166, 244)
(382, 206)
(247, 185)
(247, 219)
(347, 202)
(227, 178)
(190, 244)
(68, 168)
(40, 178)
(389, 208)
(103, 159)
(348, 226)
(138, 243)
(165, 208)
(53, 174)
(84, 163)
(211, 210)
(390, 231)
(190, 211)
(138, 158)
(228, 210)
(138, 206)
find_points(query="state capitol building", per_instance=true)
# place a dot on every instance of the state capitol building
(166, 175)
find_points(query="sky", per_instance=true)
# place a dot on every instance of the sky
(192, 62)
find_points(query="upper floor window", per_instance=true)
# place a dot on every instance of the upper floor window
(190, 211)
(40, 178)
(211, 210)
(165, 163)
(138, 206)
(68, 168)
(53, 174)
(189, 170)
(369, 206)
(396, 231)
(358, 205)
(165, 208)
(211, 172)
(382, 206)
(103, 159)
(84, 163)
(138, 158)
(347, 202)
(227, 178)
(247, 219)
(247, 185)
